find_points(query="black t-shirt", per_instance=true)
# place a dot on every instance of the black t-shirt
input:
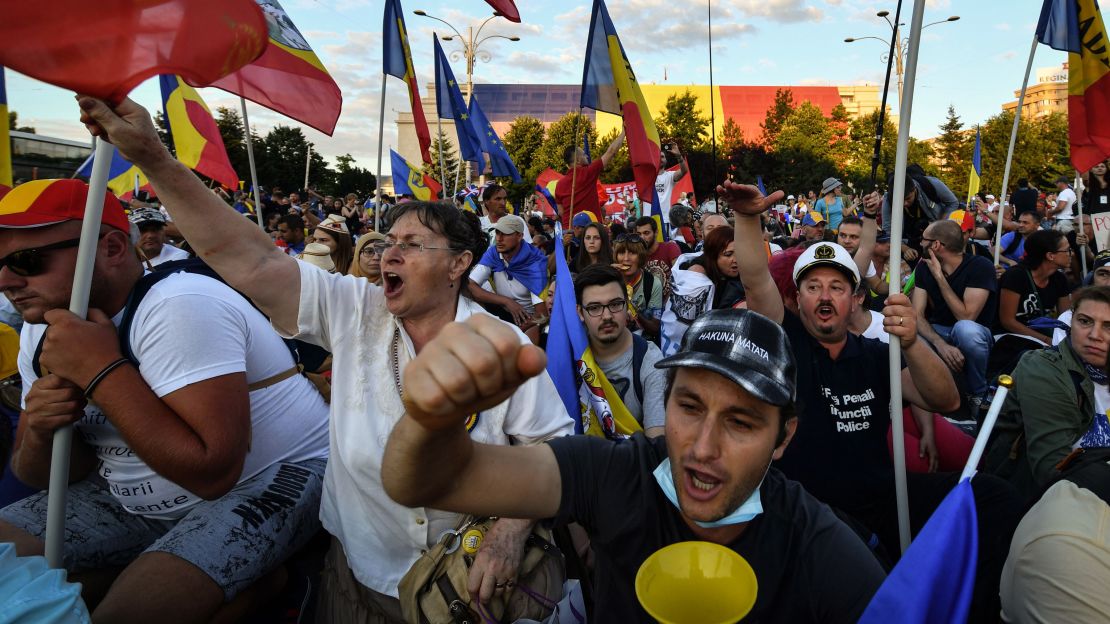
(1034, 304)
(973, 272)
(839, 452)
(811, 567)
(1025, 199)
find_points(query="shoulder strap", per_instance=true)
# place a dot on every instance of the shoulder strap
(649, 284)
(639, 350)
(1012, 246)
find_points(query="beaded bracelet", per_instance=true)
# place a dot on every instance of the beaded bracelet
(107, 370)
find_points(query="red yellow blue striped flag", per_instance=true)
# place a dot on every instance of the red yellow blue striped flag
(196, 138)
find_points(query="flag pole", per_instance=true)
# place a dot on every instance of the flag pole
(250, 161)
(307, 164)
(876, 156)
(378, 173)
(79, 305)
(1005, 384)
(439, 148)
(712, 103)
(1010, 154)
(1082, 230)
(899, 193)
(574, 171)
(136, 193)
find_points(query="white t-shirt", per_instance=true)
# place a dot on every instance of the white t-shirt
(189, 328)
(875, 329)
(1066, 195)
(348, 316)
(664, 186)
(502, 285)
(168, 253)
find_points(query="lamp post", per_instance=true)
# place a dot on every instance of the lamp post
(899, 44)
(471, 44)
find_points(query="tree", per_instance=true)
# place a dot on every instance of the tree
(522, 141)
(953, 153)
(681, 122)
(442, 145)
(776, 115)
(283, 153)
(619, 168)
(352, 179)
(731, 140)
(13, 123)
(563, 133)
(802, 150)
(233, 134)
(1041, 153)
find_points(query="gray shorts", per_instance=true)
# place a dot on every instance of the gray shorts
(235, 539)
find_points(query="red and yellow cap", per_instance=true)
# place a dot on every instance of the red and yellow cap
(964, 218)
(49, 202)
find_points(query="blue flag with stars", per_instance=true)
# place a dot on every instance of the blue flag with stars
(451, 105)
(499, 158)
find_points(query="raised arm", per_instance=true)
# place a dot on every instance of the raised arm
(607, 157)
(430, 461)
(747, 204)
(243, 255)
(871, 205)
(926, 381)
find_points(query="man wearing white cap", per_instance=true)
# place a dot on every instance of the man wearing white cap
(840, 454)
(512, 274)
(152, 236)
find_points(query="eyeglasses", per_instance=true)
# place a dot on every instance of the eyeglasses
(406, 248)
(369, 250)
(629, 239)
(31, 262)
(1068, 250)
(928, 241)
(615, 306)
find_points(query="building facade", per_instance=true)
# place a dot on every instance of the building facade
(1049, 95)
(745, 105)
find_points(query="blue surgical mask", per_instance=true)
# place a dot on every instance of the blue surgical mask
(747, 511)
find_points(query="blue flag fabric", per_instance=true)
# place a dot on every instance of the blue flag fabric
(550, 199)
(586, 145)
(661, 221)
(1056, 28)
(528, 266)
(567, 339)
(409, 181)
(934, 580)
(759, 183)
(451, 105)
(499, 159)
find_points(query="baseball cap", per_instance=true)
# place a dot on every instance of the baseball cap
(989, 196)
(140, 216)
(790, 197)
(813, 218)
(510, 224)
(744, 347)
(1102, 259)
(826, 254)
(48, 202)
(581, 219)
(964, 218)
(882, 238)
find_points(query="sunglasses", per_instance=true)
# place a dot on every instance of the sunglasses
(627, 239)
(31, 262)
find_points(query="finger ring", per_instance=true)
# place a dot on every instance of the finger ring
(500, 585)
(900, 319)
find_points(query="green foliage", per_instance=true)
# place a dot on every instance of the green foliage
(351, 179)
(283, 152)
(953, 150)
(561, 134)
(233, 134)
(777, 114)
(523, 139)
(442, 144)
(1041, 153)
(682, 122)
(13, 123)
(619, 168)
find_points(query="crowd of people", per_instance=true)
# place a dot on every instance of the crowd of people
(244, 395)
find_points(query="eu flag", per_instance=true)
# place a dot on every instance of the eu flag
(499, 158)
(450, 105)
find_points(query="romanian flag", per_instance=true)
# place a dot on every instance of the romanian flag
(106, 48)
(506, 9)
(451, 105)
(288, 78)
(500, 161)
(397, 61)
(1077, 27)
(196, 139)
(407, 180)
(590, 400)
(121, 174)
(609, 85)
(662, 224)
(935, 578)
(976, 169)
(5, 137)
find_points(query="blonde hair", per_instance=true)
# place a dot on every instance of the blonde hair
(363, 241)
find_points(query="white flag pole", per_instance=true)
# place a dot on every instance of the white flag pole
(898, 194)
(1005, 384)
(378, 173)
(254, 170)
(1010, 155)
(1081, 230)
(79, 305)
(307, 165)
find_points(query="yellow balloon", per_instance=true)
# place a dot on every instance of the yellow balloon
(696, 583)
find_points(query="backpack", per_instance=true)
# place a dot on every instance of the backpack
(195, 266)
(639, 350)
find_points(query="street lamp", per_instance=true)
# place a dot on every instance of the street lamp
(899, 42)
(471, 44)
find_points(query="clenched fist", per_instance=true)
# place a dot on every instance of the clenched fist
(468, 367)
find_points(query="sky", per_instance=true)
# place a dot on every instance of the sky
(975, 64)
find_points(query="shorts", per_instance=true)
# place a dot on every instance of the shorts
(235, 539)
(1064, 225)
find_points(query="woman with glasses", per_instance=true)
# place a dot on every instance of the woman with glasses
(373, 333)
(596, 248)
(645, 289)
(368, 258)
(1035, 292)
